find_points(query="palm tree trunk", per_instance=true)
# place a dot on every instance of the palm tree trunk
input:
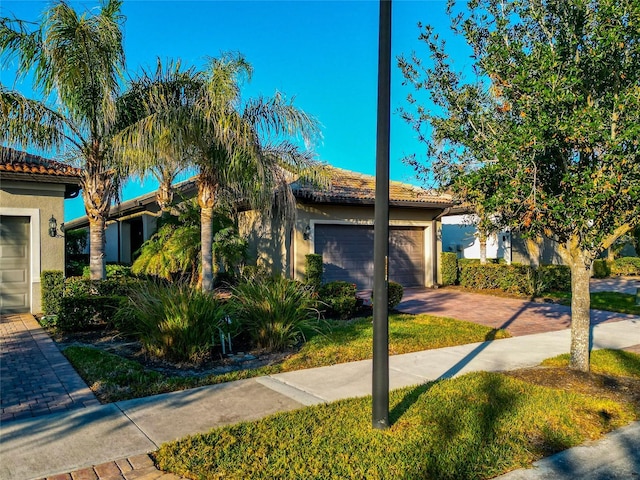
(206, 239)
(482, 237)
(206, 200)
(96, 248)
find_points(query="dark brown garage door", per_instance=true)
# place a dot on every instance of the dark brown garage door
(14, 264)
(347, 254)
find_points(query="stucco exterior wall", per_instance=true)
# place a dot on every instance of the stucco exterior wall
(281, 246)
(38, 202)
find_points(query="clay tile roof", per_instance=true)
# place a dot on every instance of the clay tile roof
(353, 187)
(21, 162)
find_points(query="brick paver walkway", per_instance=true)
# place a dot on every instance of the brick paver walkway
(140, 467)
(35, 378)
(518, 317)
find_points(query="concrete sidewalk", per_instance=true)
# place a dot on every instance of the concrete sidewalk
(44, 446)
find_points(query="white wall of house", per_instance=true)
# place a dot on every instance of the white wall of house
(459, 235)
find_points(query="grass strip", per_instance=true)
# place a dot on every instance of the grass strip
(472, 427)
(113, 378)
(608, 301)
(617, 363)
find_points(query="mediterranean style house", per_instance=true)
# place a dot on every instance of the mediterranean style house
(32, 193)
(335, 221)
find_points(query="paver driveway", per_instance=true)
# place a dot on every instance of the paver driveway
(518, 317)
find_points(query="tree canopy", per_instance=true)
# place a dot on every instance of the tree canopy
(545, 134)
(76, 63)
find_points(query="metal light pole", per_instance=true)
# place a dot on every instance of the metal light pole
(380, 417)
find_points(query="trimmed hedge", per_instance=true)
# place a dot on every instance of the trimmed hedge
(626, 266)
(396, 292)
(601, 268)
(517, 279)
(114, 270)
(52, 288)
(449, 268)
(553, 278)
(313, 270)
(86, 312)
(339, 298)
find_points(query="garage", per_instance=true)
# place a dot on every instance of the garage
(347, 254)
(14, 264)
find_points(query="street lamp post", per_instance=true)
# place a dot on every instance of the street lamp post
(380, 387)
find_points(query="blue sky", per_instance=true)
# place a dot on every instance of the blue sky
(323, 53)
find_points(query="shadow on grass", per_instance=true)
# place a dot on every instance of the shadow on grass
(410, 399)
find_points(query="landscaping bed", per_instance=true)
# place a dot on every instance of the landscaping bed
(116, 368)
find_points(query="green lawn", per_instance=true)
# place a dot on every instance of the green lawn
(471, 427)
(114, 378)
(609, 301)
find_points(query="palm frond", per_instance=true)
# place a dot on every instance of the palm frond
(26, 122)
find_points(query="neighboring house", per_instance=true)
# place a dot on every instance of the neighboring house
(460, 235)
(32, 193)
(336, 222)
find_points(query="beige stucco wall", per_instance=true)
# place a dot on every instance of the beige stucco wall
(269, 239)
(39, 201)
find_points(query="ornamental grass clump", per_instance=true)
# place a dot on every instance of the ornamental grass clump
(275, 312)
(173, 321)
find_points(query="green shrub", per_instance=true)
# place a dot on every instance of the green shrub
(468, 261)
(313, 270)
(114, 270)
(517, 279)
(626, 266)
(339, 299)
(601, 268)
(396, 292)
(119, 286)
(86, 312)
(52, 288)
(553, 278)
(274, 312)
(449, 268)
(173, 321)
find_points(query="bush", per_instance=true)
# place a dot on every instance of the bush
(449, 268)
(52, 288)
(517, 279)
(313, 270)
(114, 270)
(339, 298)
(87, 312)
(553, 278)
(274, 312)
(396, 292)
(601, 268)
(121, 286)
(173, 321)
(626, 266)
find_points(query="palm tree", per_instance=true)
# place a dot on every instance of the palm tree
(78, 60)
(166, 88)
(241, 150)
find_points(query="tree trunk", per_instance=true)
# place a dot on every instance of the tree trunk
(580, 313)
(164, 196)
(96, 248)
(206, 239)
(483, 247)
(206, 200)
